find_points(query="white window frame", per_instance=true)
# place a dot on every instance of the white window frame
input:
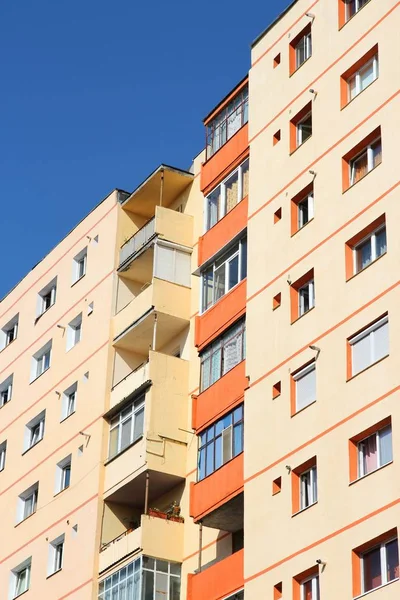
(369, 150)
(299, 375)
(136, 406)
(374, 256)
(358, 5)
(299, 129)
(357, 77)
(79, 265)
(6, 388)
(310, 287)
(50, 291)
(9, 332)
(68, 401)
(360, 452)
(221, 208)
(314, 587)
(61, 470)
(74, 332)
(3, 454)
(309, 199)
(27, 502)
(385, 580)
(56, 555)
(313, 487)
(369, 331)
(305, 41)
(15, 574)
(41, 361)
(35, 424)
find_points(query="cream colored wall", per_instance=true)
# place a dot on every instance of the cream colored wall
(274, 439)
(78, 505)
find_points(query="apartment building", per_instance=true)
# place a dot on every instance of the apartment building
(198, 390)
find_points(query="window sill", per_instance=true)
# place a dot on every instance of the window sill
(304, 509)
(352, 17)
(24, 520)
(370, 473)
(78, 280)
(359, 94)
(299, 146)
(303, 315)
(302, 227)
(367, 368)
(37, 319)
(67, 417)
(351, 186)
(21, 594)
(31, 447)
(302, 409)
(112, 458)
(72, 347)
(377, 588)
(8, 345)
(299, 67)
(367, 267)
(61, 491)
(54, 573)
(38, 376)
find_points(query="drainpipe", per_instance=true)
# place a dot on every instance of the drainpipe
(162, 187)
(146, 495)
(154, 333)
(200, 544)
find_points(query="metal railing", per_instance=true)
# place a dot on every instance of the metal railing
(219, 132)
(139, 239)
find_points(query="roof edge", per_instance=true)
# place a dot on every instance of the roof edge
(271, 25)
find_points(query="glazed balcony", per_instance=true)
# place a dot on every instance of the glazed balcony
(223, 579)
(158, 537)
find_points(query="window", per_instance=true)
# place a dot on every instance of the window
(56, 555)
(351, 7)
(375, 451)
(310, 588)
(302, 296)
(172, 264)
(46, 297)
(228, 193)
(362, 159)
(63, 474)
(3, 451)
(301, 127)
(368, 346)
(302, 208)
(227, 122)
(6, 390)
(9, 332)
(224, 274)
(27, 503)
(366, 247)
(68, 402)
(74, 332)
(146, 577)
(79, 265)
(41, 361)
(222, 355)
(300, 49)
(303, 387)
(20, 578)
(361, 78)
(376, 563)
(34, 431)
(308, 488)
(220, 443)
(126, 427)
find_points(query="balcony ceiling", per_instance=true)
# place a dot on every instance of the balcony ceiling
(147, 196)
(228, 517)
(133, 492)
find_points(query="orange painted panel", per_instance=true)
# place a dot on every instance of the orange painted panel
(224, 157)
(216, 489)
(219, 581)
(220, 397)
(223, 232)
(217, 318)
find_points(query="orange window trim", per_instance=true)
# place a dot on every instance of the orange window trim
(278, 591)
(354, 152)
(350, 244)
(311, 462)
(292, 48)
(353, 445)
(294, 122)
(309, 189)
(360, 550)
(311, 572)
(294, 294)
(276, 486)
(348, 344)
(344, 98)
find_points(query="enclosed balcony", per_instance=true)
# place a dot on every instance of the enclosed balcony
(224, 579)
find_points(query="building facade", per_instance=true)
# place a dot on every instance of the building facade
(198, 384)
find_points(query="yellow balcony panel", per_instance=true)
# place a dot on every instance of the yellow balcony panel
(159, 538)
(160, 188)
(127, 386)
(157, 315)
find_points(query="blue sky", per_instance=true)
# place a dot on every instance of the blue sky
(95, 94)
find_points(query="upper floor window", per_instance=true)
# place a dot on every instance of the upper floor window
(126, 427)
(34, 431)
(6, 390)
(172, 264)
(74, 332)
(301, 127)
(310, 588)
(367, 160)
(300, 49)
(228, 193)
(56, 555)
(304, 383)
(3, 452)
(227, 122)
(69, 401)
(369, 249)
(222, 355)
(376, 563)
(308, 488)
(20, 578)
(352, 7)
(41, 361)
(63, 474)
(362, 78)
(369, 345)
(79, 265)
(224, 274)
(220, 443)
(46, 297)
(27, 502)
(375, 451)
(9, 332)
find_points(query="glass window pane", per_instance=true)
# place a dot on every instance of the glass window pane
(161, 586)
(359, 167)
(148, 585)
(202, 463)
(306, 390)
(363, 255)
(210, 459)
(126, 433)
(220, 275)
(139, 424)
(238, 414)
(148, 563)
(372, 569)
(233, 270)
(245, 179)
(243, 259)
(352, 86)
(113, 441)
(213, 201)
(392, 560)
(232, 191)
(385, 445)
(369, 454)
(208, 278)
(366, 75)
(380, 242)
(175, 568)
(361, 354)
(381, 341)
(237, 439)
(377, 153)
(216, 361)
(174, 588)
(218, 452)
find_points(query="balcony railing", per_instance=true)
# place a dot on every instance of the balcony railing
(137, 241)
(226, 124)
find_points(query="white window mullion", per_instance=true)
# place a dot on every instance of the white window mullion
(378, 450)
(314, 589)
(370, 157)
(240, 184)
(310, 207)
(383, 564)
(361, 460)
